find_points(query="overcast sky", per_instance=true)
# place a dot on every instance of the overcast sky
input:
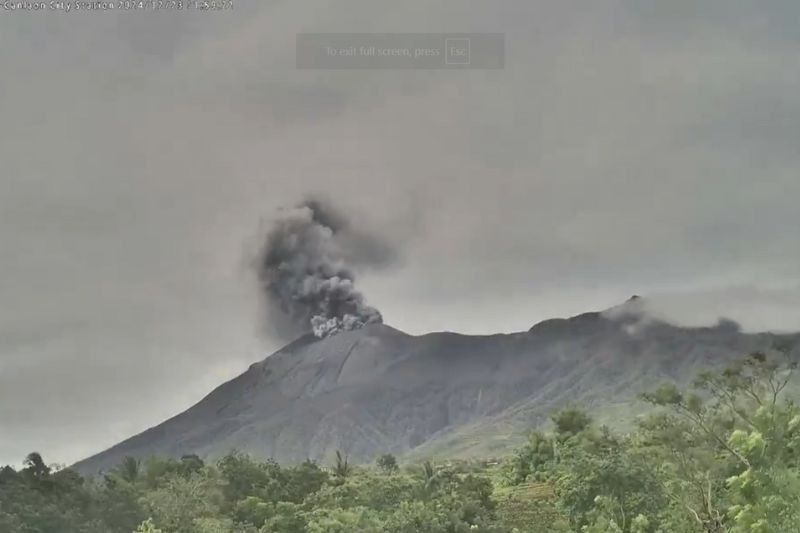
(626, 147)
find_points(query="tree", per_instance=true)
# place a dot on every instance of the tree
(570, 421)
(532, 459)
(431, 476)
(129, 469)
(254, 510)
(288, 518)
(341, 468)
(731, 446)
(35, 466)
(610, 480)
(245, 477)
(190, 464)
(180, 501)
(387, 463)
(303, 480)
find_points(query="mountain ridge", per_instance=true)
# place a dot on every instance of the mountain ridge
(377, 389)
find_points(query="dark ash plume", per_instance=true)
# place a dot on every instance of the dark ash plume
(305, 270)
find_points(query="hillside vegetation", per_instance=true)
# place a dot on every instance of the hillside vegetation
(720, 456)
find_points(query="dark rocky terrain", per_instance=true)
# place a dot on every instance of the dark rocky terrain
(378, 390)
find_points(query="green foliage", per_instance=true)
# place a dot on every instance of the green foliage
(120, 502)
(244, 477)
(288, 518)
(601, 479)
(533, 460)
(570, 421)
(178, 502)
(387, 462)
(720, 457)
(190, 464)
(147, 527)
(129, 469)
(729, 448)
(303, 480)
(360, 519)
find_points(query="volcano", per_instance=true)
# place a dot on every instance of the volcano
(378, 390)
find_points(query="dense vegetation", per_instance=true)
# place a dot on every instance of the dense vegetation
(721, 457)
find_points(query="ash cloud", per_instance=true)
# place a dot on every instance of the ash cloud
(307, 271)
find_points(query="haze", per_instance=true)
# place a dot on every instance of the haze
(624, 148)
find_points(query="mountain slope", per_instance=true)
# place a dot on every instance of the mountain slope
(378, 390)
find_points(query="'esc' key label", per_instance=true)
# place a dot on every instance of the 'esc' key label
(456, 51)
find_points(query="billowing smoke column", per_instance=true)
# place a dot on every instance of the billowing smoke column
(305, 270)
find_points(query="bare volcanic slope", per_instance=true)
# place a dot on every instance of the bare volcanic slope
(375, 390)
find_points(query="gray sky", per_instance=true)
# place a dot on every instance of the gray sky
(627, 147)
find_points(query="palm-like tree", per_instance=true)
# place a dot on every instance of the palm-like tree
(342, 468)
(129, 469)
(430, 475)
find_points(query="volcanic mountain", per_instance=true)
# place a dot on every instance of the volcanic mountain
(376, 389)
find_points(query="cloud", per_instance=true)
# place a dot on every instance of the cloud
(753, 309)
